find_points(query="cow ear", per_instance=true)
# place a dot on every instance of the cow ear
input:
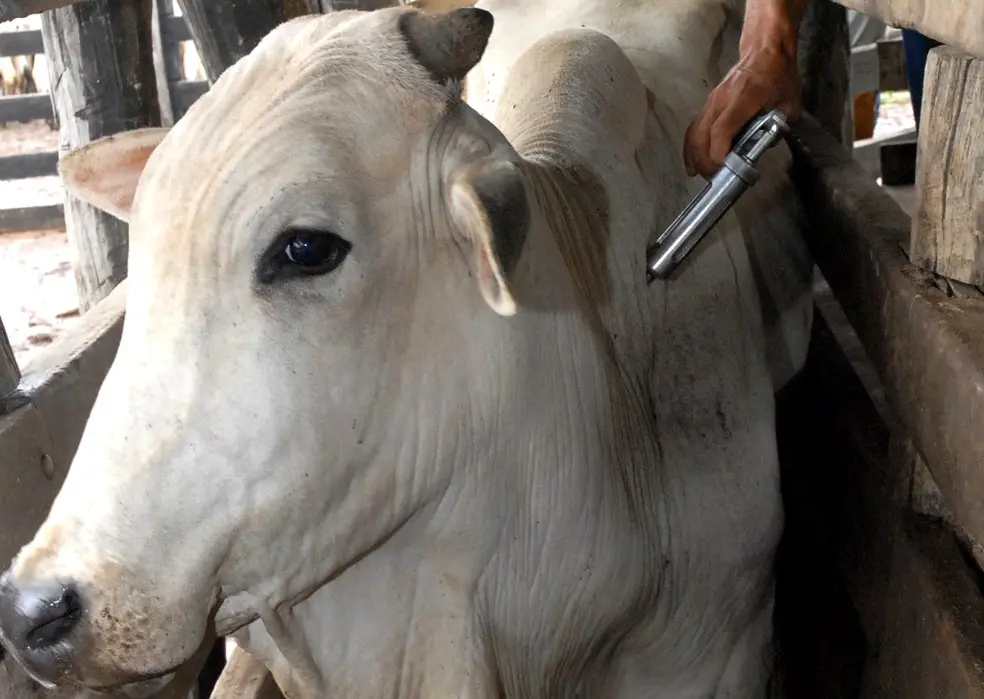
(489, 206)
(447, 44)
(105, 173)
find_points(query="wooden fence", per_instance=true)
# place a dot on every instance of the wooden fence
(180, 95)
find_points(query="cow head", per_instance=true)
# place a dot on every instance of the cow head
(319, 266)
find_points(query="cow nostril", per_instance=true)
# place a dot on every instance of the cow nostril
(49, 620)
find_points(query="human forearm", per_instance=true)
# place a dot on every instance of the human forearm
(772, 23)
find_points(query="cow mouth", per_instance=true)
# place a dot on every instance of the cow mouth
(137, 689)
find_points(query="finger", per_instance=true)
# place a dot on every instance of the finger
(699, 141)
(726, 127)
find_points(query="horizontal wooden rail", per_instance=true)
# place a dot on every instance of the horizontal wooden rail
(19, 108)
(25, 165)
(926, 343)
(22, 43)
(32, 218)
(186, 93)
(175, 30)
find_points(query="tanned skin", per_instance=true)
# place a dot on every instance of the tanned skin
(765, 77)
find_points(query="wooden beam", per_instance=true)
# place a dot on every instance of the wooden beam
(21, 43)
(21, 108)
(878, 67)
(824, 64)
(32, 218)
(891, 65)
(224, 32)
(186, 93)
(948, 232)
(959, 23)
(175, 29)
(164, 63)
(101, 51)
(848, 477)
(25, 165)
(926, 342)
(9, 371)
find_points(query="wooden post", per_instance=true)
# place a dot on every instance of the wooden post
(165, 61)
(103, 82)
(948, 232)
(9, 371)
(224, 32)
(825, 67)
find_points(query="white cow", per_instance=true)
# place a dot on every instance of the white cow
(394, 404)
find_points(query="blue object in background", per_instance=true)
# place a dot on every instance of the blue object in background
(916, 48)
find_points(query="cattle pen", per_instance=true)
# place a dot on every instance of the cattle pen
(881, 436)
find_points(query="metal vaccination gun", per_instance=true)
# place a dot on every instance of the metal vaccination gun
(717, 196)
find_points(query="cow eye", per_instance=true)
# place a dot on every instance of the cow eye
(303, 252)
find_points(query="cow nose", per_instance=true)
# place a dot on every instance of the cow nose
(37, 623)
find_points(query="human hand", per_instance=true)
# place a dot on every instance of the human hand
(766, 77)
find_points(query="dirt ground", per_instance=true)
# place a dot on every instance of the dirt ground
(38, 300)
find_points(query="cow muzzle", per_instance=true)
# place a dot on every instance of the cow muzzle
(39, 626)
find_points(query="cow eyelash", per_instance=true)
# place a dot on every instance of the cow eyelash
(303, 252)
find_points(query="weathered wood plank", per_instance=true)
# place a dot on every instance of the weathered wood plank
(225, 32)
(864, 69)
(878, 67)
(102, 52)
(175, 29)
(959, 23)
(186, 93)
(24, 165)
(824, 56)
(927, 346)
(9, 371)
(20, 108)
(244, 677)
(932, 641)
(32, 218)
(948, 232)
(162, 66)
(21, 43)
(909, 582)
(891, 65)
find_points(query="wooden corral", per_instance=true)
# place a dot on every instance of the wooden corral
(883, 462)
